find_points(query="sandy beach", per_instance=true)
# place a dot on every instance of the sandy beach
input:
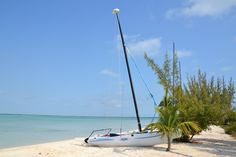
(213, 142)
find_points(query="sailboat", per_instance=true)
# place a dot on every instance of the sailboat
(130, 139)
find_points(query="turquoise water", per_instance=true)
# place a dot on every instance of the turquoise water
(18, 130)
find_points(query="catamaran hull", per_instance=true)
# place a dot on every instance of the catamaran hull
(127, 140)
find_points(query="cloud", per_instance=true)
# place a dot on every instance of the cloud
(201, 8)
(151, 46)
(184, 53)
(226, 69)
(113, 99)
(109, 73)
(130, 38)
(151, 16)
(3, 92)
(112, 102)
(137, 47)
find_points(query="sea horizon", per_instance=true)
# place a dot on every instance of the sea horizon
(58, 115)
(27, 129)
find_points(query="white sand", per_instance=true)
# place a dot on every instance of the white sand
(210, 143)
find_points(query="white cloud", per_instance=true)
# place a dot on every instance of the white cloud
(151, 46)
(130, 38)
(184, 53)
(226, 69)
(151, 16)
(137, 47)
(112, 100)
(109, 73)
(200, 8)
(3, 92)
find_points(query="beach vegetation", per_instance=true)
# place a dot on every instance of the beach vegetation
(201, 99)
(230, 128)
(169, 124)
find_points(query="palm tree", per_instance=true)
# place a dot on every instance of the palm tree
(169, 124)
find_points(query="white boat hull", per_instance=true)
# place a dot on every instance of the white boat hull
(127, 140)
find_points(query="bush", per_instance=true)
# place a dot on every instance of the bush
(231, 129)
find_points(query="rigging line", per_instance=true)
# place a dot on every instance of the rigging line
(150, 93)
(136, 66)
(153, 117)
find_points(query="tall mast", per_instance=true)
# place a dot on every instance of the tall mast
(116, 12)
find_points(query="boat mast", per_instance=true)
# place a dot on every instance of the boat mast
(116, 11)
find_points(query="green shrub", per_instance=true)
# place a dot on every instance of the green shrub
(231, 129)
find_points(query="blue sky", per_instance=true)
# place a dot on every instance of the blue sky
(63, 57)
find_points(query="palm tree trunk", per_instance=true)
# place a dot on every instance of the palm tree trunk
(192, 136)
(169, 143)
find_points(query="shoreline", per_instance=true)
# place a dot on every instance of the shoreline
(213, 142)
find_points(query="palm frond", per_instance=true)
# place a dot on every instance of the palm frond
(188, 128)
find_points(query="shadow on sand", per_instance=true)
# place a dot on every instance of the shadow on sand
(123, 150)
(212, 146)
(216, 146)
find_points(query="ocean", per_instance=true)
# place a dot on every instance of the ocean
(18, 130)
